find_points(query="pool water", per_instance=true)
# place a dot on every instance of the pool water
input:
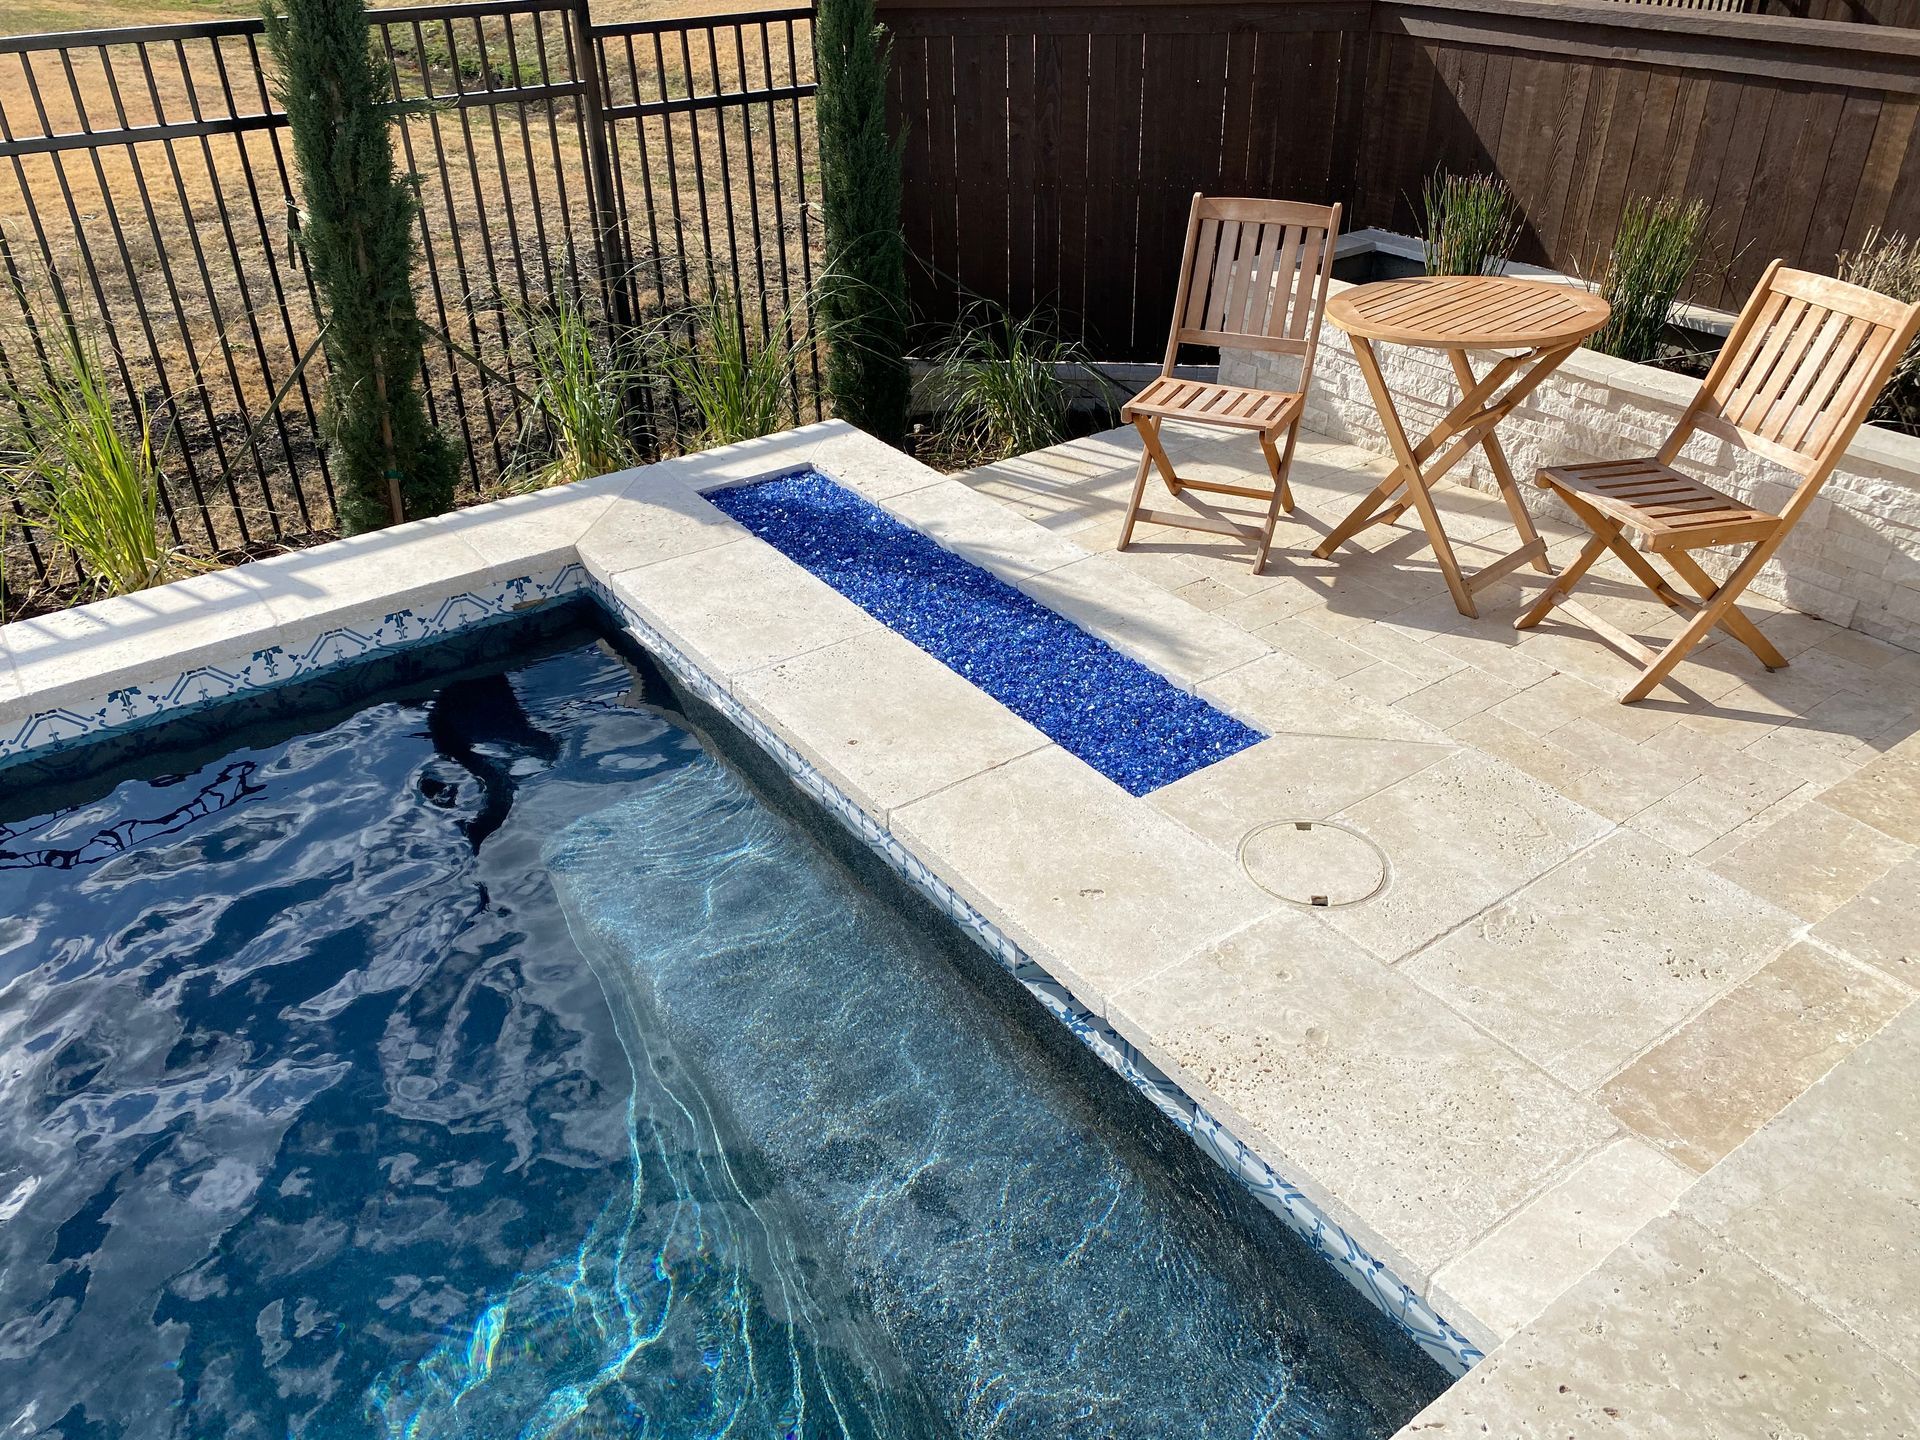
(493, 1059)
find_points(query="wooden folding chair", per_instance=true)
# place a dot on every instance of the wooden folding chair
(1254, 276)
(1793, 383)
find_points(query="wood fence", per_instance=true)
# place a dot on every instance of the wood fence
(1855, 12)
(1050, 150)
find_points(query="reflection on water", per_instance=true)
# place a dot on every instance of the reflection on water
(492, 1063)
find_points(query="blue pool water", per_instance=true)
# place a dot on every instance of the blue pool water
(488, 1058)
(1126, 721)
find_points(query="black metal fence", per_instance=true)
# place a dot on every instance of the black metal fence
(147, 199)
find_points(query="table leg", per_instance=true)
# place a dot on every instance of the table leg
(1502, 472)
(1409, 473)
(1365, 514)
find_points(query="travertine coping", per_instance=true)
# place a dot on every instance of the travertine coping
(1464, 1160)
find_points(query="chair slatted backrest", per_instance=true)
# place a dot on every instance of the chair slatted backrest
(1799, 372)
(1254, 276)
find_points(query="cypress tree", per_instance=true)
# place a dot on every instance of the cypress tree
(863, 297)
(389, 464)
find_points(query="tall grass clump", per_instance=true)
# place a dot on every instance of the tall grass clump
(82, 477)
(578, 423)
(863, 289)
(1472, 224)
(734, 385)
(995, 389)
(1654, 251)
(1890, 263)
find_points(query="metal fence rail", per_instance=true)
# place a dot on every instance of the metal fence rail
(147, 200)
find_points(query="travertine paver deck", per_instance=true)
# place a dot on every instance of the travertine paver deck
(1775, 1299)
(1675, 919)
(1618, 948)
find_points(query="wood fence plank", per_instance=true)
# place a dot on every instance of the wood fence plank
(980, 69)
(1060, 142)
(943, 239)
(1568, 118)
(919, 191)
(1113, 192)
(1027, 110)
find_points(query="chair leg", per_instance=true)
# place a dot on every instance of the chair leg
(1152, 455)
(1562, 584)
(1677, 649)
(1734, 622)
(1133, 503)
(1712, 613)
(1279, 465)
(1149, 428)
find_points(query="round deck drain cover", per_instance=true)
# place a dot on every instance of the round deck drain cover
(1313, 862)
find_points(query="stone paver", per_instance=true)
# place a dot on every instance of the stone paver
(538, 531)
(1459, 836)
(1881, 925)
(1553, 1240)
(1101, 594)
(1778, 1299)
(1812, 860)
(1416, 1127)
(655, 518)
(1717, 1079)
(987, 533)
(1110, 888)
(363, 577)
(1284, 695)
(1294, 777)
(740, 606)
(1884, 793)
(66, 656)
(1679, 1337)
(1824, 1196)
(884, 719)
(1600, 957)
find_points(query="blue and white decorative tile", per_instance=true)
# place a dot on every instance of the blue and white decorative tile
(37, 732)
(1452, 1350)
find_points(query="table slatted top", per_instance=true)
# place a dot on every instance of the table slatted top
(1469, 312)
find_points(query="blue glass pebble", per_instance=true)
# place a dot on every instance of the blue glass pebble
(1128, 722)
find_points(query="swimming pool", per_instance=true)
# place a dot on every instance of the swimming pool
(466, 1046)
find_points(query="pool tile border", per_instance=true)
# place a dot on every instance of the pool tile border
(850, 458)
(42, 732)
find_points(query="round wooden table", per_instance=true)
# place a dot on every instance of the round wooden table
(1541, 321)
